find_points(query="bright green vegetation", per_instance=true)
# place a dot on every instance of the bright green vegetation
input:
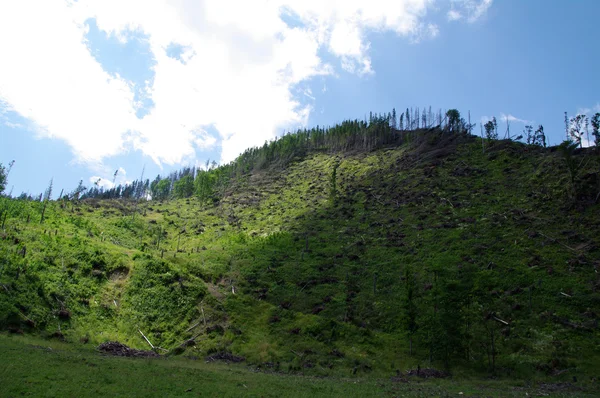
(52, 369)
(347, 263)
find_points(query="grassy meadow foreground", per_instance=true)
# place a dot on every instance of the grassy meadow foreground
(331, 271)
(34, 367)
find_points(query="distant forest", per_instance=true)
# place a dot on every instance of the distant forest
(209, 183)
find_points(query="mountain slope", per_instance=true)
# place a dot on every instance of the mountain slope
(430, 250)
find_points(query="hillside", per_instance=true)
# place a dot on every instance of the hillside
(430, 251)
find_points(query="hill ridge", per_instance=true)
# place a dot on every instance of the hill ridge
(428, 250)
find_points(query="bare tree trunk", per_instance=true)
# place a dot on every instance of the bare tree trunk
(145, 338)
(482, 143)
(469, 122)
(43, 211)
(493, 352)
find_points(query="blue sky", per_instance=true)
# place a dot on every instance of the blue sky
(93, 86)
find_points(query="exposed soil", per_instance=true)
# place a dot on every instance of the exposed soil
(427, 373)
(224, 356)
(556, 387)
(121, 350)
(214, 291)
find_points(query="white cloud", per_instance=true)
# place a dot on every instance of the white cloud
(237, 72)
(511, 118)
(108, 183)
(454, 15)
(472, 10)
(586, 143)
(101, 182)
(308, 93)
(480, 10)
(433, 30)
(51, 78)
(588, 110)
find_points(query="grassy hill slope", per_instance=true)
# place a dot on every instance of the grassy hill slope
(434, 251)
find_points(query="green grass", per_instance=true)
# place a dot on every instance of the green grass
(42, 368)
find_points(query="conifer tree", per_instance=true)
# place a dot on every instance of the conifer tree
(587, 130)
(596, 128)
(79, 190)
(567, 127)
(491, 129)
(540, 137)
(430, 117)
(2, 178)
(454, 121)
(184, 187)
(416, 118)
(528, 132)
(4, 172)
(576, 129)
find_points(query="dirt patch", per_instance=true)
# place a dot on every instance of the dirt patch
(399, 379)
(119, 273)
(224, 356)
(121, 350)
(556, 387)
(427, 373)
(214, 291)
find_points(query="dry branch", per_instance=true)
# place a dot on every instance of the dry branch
(145, 338)
(557, 241)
